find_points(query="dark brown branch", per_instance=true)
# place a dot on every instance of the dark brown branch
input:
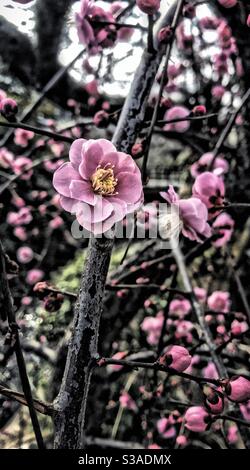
(8, 306)
(39, 405)
(156, 366)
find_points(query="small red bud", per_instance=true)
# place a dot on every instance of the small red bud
(8, 108)
(199, 110)
(165, 35)
(101, 119)
(137, 149)
(189, 11)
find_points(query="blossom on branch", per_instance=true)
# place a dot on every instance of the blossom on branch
(193, 215)
(99, 184)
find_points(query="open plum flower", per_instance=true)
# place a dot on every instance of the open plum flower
(99, 184)
(91, 33)
(193, 215)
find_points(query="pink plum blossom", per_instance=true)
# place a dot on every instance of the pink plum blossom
(34, 276)
(223, 226)
(22, 217)
(152, 326)
(196, 419)
(180, 307)
(22, 137)
(200, 293)
(25, 254)
(56, 222)
(177, 112)
(193, 215)
(126, 401)
(20, 165)
(238, 327)
(20, 233)
(84, 28)
(219, 301)
(184, 329)
(99, 184)
(220, 165)
(92, 34)
(6, 158)
(218, 92)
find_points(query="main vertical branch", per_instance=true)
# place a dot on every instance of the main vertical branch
(72, 399)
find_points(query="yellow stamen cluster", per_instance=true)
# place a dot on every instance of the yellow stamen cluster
(104, 181)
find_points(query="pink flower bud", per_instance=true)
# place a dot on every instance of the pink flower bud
(228, 3)
(126, 401)
(210, 189)
(181, 440)
(218, 92)
(238, 389)
(34, 275)
(248, 21)
(165, 428)
(25, 254)
(101, 119)
(56, 222)
(137, 149)
(196, 419)
(8, 108)
(177, 112)
(6, 157)
(189, 10)
(238, 327)
(215, 403)
(165, 34)
(176, 357)
(148, 6)
(20, 233)
(199, 110)
(53, 302)
(22, 137)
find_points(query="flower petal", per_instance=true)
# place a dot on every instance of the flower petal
(75, 152)
(63, 177)
(129, 187)
(67, 204)
(101, 211)
(82, 191)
